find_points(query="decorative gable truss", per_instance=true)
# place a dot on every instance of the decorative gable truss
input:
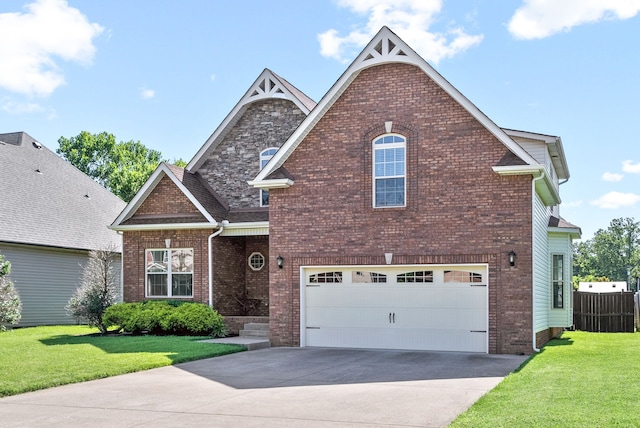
(268, 85)
(387, 47)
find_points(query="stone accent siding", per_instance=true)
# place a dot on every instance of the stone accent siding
(458, 210)
(236, 159)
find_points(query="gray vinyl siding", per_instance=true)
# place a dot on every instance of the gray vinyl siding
(560, 243)
(45, 279)
(541, 289)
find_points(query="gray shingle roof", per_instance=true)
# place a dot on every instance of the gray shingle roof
(47, 201)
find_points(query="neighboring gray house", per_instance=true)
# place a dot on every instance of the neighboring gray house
(51, 216)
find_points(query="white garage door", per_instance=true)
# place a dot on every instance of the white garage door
(422, 307)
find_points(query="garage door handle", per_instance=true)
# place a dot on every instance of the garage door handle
(392, 317)
(389, 317)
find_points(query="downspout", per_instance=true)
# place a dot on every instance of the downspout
(210, 258)
(533, 238)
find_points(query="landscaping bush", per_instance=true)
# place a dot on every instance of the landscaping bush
(164, 317)
(10, 304)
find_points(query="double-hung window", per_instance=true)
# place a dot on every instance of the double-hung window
(265, 157)
(557, 280)
(389, 171)
(169, 272)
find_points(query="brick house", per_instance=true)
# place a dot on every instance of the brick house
(392, 214)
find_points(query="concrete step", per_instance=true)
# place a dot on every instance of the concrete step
(250, 344)
(254, 333)
(256, 326)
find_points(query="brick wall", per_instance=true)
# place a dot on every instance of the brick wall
(166, 198)
(236, 160)
(458, 209)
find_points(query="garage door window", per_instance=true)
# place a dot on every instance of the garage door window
(461, 276)
(359, 277)
(419, 276)
(325, 277)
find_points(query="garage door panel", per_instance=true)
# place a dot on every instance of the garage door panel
(409, 339)
(435, 315)
(423, 297)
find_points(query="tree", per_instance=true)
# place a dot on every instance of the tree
(120, 167)
(10, 304)
(98, 290)
(613, 253)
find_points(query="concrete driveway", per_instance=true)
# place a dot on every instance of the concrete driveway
(279, 387)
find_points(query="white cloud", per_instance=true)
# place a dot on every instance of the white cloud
(572, 204)
(147, 94)
(537, 19)
(614, 200)
(13, 107)
(410, 19)
(612, 176)
(32, 41)
(629, 166)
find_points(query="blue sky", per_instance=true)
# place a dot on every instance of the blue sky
(166, 73)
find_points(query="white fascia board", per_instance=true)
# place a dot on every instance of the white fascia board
(280, 183)
(148, 187)
(394, 50)
(574, 232)
(255, 228)
(164, 226)
(266, 86)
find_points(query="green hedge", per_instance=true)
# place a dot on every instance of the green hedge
(165, 317)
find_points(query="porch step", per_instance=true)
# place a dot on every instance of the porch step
(255, 329)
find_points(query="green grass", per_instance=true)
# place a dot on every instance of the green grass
(42, 357)
(582, 379)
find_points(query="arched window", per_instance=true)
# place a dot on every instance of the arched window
(389, 172)
(265, 156)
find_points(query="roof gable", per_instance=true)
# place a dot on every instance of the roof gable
(385, 47)
(49, 202)
(267, 86)
(187, 184)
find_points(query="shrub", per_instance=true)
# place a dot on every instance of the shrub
(10, 304)
(98, 291)
(164, 317)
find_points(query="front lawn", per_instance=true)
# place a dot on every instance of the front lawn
(41, 357)
(581, 379)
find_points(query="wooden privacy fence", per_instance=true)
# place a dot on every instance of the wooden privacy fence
(603, 312)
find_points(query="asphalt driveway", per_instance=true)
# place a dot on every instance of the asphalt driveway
(279, 387)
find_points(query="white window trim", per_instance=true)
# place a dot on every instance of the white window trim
(563, 279)
(264, 160)
(256, 253)
(168, 274)
(373, 168)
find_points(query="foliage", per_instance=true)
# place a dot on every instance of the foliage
(42, 357)
(580, 380)
(99, 289)
(120, 167)
(166, 317)
(10, 304)
(611, 252)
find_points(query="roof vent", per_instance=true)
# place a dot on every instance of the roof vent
(36, 145)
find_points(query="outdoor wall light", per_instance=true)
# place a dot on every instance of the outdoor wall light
(167, 242)
(512, 258)
(388, 258)
(280, 261)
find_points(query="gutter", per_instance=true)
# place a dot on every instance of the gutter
(210, 259)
